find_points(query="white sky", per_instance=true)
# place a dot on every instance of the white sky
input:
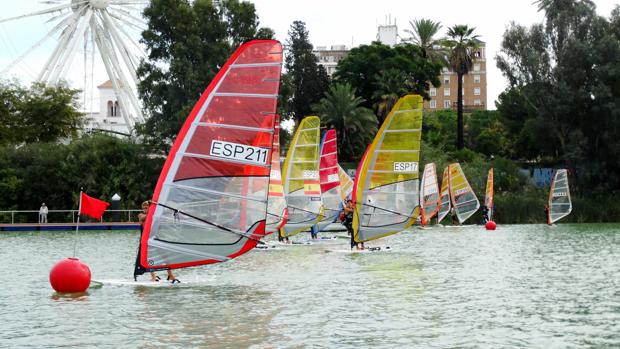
(331, 22)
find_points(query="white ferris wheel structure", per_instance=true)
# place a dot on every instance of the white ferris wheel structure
(101, 31)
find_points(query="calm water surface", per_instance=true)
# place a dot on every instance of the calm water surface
(522, 286)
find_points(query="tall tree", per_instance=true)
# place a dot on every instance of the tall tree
(423, 32)
(40, 113)
(187, 42)
(367, 66)
(308, 79)
(355, 125)
(564, 79)
(389, 88)
(460, 43)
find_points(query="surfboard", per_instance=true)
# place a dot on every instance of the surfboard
(377, 249)
(140, 283)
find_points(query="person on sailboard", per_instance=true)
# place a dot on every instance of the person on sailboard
(547, 213)
(485, 214)
(348, 223)
(139, 270)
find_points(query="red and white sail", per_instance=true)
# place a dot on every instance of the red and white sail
(329, 179)
(210, 202)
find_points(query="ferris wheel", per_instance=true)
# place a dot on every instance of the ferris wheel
(104, 31)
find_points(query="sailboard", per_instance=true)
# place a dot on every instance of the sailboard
(429, 193)
(302, 188)
(210, 202)
(488, 196)
(464, 199)
(276, 204)
(346, 184)
(444, 198)
(559, 202)
(329, 180)
(386, 194)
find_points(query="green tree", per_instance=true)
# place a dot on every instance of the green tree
(355, 125)
(308, 79)
(389, 88)
(460, 43)
(423, 32)
(40, 113)
(564, 80)
(367, 66)
(187, 42)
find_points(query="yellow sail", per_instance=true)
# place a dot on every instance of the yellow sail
(444, 197)
(346, 184)
(488, 197)
(464, 199)
(386, 193)
(300, 175)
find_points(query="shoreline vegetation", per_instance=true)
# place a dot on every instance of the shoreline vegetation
(561, 108)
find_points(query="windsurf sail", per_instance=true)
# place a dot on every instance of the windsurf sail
(560, 204)
(429, 193)
(330, 181)
(464, 199)
(445, 203)
(488, 197)
(346, 184)
(302, 187)
(210, 202)
(386, 186)
(276, 204)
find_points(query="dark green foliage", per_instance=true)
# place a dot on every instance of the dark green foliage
(355, 125)
(38, 114)
(369, 68)
(187, 43)
(563, 105)
(308, 80)
(53, 173)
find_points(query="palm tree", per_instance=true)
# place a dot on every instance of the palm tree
(461, 44)
(389, 87)
(423, 33)
(355, 125)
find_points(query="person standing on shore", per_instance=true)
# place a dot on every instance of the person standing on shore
(43, 213)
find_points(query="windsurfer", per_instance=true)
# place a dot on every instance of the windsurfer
(139, 270)
(485, 214)
(348, 223)
(547, 213)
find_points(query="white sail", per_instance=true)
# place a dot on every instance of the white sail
(560, 204)
(463, 197)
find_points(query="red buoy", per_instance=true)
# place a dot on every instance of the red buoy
(70, 275)
(490, 225)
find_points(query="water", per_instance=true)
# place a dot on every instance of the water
(522, 286)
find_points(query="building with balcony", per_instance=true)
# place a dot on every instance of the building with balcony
(474, 87)
(329, 58)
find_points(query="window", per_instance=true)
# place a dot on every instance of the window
(477, 102)
(110, 108)
(432, 92)
(446, 80)
(433, 104)
(477, 54)
(476, 79)
(477, 67)
(446, 104)
(116, 109)
(477, 91)
(446, 91)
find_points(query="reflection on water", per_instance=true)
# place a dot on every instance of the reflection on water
(518, 287)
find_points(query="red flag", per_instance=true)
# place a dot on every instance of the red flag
(92, 207)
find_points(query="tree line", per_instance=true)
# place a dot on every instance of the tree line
(560, 108)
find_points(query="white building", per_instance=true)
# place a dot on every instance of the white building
(387, 34)
(329, 58)
(109, 116)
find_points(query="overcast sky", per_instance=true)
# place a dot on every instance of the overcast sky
(333, 22)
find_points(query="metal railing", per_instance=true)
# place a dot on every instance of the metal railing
(66, 216)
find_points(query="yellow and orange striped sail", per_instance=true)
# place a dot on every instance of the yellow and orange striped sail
(386, 193)
(346, 184)
(300, 174)
(488, 197)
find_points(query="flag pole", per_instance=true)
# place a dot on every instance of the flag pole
(77, 226)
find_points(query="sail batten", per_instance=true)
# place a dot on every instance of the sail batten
(218, 169)
(463, 198)
(559, 202)
(386, 185)
(300, 175)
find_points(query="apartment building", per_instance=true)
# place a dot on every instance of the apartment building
(474, 87)
(329, 58)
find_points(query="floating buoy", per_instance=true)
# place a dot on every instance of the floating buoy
(490, 225)
(70, 275)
